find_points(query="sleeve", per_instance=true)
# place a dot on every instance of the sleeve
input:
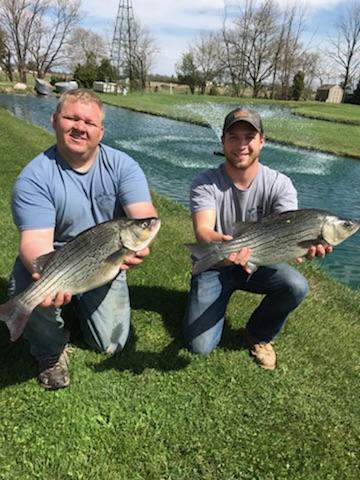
(202, 196)
(133, 186)
(285, 195)
(32, 206)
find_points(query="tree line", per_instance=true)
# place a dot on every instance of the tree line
(262, 50)
(259, 49)
(44, 36)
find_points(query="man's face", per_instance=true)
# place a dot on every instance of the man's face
(78, 129)
(242, 144)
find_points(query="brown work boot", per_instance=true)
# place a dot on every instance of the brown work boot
(263, 353)
(54, 371)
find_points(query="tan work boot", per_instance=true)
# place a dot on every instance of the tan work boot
(264, 355)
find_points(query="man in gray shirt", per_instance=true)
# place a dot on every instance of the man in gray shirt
(241, 189)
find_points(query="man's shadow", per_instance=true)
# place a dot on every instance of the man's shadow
(170, 305)
(16, 363)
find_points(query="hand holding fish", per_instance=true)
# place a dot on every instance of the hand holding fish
(132, 261)
(240, 258)
(318, 250)
(61, 298)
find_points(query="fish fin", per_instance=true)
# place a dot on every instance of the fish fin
(39, 263)
(197, 251)
(205, 256)
(15, 314)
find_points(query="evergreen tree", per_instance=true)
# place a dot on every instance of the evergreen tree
(355, 98)
(106, 72)
(187, 73)
(298, 86)
(86, 74)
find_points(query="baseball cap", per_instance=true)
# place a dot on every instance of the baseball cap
(242, 114)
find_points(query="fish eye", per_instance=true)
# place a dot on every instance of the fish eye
(348, 223)
(145, 224)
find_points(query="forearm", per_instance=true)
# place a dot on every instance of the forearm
(207, 235)
(33, 244)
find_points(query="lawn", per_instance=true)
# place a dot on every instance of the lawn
(157, 412)
(337, 134)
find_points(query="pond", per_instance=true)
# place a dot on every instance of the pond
(171, 153)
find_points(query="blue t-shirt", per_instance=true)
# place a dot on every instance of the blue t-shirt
(48, 193)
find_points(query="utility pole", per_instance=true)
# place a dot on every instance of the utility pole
(123, 42)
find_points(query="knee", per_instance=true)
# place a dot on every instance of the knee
(203, 344)
(298, 288)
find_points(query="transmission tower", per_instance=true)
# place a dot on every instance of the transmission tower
(123, 42)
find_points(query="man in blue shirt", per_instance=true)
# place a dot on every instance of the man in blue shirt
(72, 186)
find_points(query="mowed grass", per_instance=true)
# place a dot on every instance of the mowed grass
(330, 128)
(158, 412)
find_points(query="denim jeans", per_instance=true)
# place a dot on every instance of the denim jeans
(104, 315)
(284, 288)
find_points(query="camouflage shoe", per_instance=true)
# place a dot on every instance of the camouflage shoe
(54, 371)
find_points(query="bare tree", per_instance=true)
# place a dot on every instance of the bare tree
(249, 45)
(52, 34)
(345, 48)
(261, 39)
(140, 56)
(18, 19)
(206, 53)
(235, 46)
(81, 43)
(290, 47)
(5, 56)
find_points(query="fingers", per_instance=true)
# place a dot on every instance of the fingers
(61, 299)
(319, 251)
(241, 258)
(132, 261)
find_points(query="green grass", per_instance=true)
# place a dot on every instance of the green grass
(341, 113)
(339, 136)
(157, 412)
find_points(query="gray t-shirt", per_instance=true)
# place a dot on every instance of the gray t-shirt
(270, 192)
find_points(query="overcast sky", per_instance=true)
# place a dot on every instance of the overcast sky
(175, 23)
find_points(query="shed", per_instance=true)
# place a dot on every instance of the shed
(105, 87)
(329, 93)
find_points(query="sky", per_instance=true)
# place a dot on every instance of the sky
(175, 24)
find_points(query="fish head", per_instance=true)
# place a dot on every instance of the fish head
(139, 233)
(335, 230)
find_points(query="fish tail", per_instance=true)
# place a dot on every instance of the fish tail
(15, 314)
(204, 256)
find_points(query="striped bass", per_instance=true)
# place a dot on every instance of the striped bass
(276, 238)
(89, 260)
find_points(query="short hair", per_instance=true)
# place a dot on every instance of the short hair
(82, 95)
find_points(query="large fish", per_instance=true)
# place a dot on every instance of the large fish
(89, 260)
(279, 237)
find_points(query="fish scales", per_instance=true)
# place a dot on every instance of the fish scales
(88, 261)
(87, 255)
(277, 238)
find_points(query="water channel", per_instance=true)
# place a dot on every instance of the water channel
(171, 153)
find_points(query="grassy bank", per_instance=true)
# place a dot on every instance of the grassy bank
(156, 412)
(329, 128)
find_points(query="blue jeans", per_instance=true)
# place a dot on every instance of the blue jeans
(284, 288)
(104, 315)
